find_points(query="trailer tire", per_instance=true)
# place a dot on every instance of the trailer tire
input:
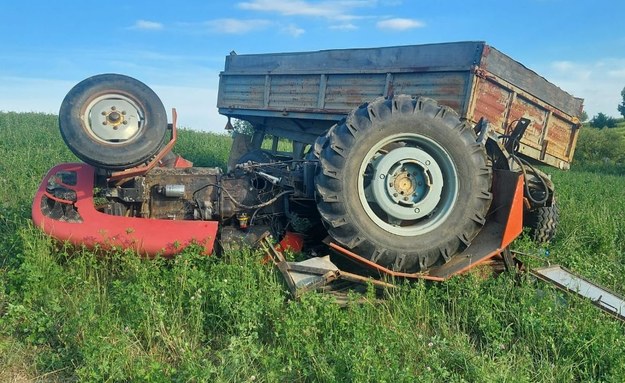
(112, 121)
(403, 183)
(543, 223)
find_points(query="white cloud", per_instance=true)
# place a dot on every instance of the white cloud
(618, 73)
(399, 24)
(571, 70)
(344, 27)
(237, 26)
(293, 30)
(340, 10)
(599, 83)
(147, 25)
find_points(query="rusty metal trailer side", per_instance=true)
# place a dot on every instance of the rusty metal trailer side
(505, 91)
(301, 95)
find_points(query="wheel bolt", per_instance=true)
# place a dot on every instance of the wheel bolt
(417, 210)
(382, 176)
(405, 198)
(395, 194)
(113, 108)
(428, 162)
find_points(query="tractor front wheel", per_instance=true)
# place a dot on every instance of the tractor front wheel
(113, 121)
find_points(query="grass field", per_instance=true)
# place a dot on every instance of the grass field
(67, 315)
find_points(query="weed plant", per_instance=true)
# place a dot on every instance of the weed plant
(71, 315)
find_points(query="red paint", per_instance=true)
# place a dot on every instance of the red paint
(146, 236)
(182, 163)
(514, 223)
(291, 241)
(381, 269)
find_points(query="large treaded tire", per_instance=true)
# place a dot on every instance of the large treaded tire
(543, 223)
(113, 121)
(405, 140)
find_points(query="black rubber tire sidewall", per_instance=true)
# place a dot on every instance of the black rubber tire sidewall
(543, 223)
(360, 232)
(116, 156)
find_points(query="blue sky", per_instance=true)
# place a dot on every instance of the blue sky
(178, 47)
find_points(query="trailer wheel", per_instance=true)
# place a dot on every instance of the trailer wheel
(403, 183)
(113, 121)
(542, 223)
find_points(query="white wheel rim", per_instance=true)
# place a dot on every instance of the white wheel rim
(408, 184)
(113, 119)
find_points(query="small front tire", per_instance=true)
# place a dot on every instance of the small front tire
(112, 121)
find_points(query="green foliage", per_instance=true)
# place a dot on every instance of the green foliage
(600, 146)
(74, 315)
(203, 149)
(242, 127)
(621, 106)
(601, 120)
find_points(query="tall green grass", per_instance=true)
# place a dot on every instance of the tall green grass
(69, 315)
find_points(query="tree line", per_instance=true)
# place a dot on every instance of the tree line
(601, 120)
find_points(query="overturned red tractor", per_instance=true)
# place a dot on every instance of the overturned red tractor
(411, 160)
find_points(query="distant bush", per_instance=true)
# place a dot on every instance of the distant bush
(603, 121)
(601, 146)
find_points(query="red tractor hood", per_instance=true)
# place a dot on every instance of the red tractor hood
(92, 228)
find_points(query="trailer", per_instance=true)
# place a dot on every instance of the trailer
(413, 161)
(301, 95)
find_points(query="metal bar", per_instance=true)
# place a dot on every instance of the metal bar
(321, 99)
(278, 259)
(359, 278)
(388, 84)
(543, 135)
(123, 175)
(382, 269)
(293, 266)
(267, 91)
(566, 280)
(324, 280)
(299, 71)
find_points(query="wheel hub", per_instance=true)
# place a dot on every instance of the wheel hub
(112, 119)
(406, 186)
(115, 118)
(407, 183)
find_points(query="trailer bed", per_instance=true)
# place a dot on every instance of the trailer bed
(305, 93)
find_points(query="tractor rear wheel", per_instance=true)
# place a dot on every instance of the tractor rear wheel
(113, 121)
(403, 182)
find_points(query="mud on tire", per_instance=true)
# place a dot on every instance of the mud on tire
(403, 182)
